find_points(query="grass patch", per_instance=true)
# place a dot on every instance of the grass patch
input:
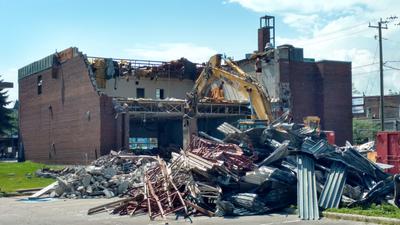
(384, 210)
(15, 176)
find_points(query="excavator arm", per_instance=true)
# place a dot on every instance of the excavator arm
(241, 81)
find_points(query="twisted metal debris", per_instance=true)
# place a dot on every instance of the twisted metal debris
(246, 173)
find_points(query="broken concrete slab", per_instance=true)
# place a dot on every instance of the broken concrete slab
(43, 191)
(108, 193)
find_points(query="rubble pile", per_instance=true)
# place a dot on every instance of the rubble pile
(109, 176)
(249, 172)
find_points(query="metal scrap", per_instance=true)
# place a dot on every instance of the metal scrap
(334, 185)
(307, 201)
(246, 173)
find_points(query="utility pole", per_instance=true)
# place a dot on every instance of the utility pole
(381, 100)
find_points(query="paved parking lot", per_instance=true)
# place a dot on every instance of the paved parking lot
(68, 212)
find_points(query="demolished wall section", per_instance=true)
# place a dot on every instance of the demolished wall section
(269, 77)
(63, 123)
(320, 89)
(173, 87)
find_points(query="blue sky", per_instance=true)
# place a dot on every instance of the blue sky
(170, 29)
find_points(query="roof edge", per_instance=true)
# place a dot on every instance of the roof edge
(48, 62)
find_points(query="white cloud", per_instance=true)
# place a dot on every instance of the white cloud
(311, 6)
(172, 51)
(358, 47)
(303, 23)
(338, 30)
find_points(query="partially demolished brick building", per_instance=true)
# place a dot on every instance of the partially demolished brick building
(307, 88)
(74, 108)
(302, 85)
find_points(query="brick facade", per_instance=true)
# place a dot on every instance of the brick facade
(68, 122)
(336, 112)
(72, 122)
(320, 89)
(372, 106)
(303, 83)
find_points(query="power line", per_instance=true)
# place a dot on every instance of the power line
(316, 41)
(336, 35)
(362, 73)
(374, 71)
(327, 36)
(394, 68)
(362, 66)
(374, 63)
(371, 64)
(397, 42)
(343, 29)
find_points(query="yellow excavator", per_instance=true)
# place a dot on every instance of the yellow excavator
(312, 122)
(261, 110)
(245, 84)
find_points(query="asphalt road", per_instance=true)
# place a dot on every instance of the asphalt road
(74, 212)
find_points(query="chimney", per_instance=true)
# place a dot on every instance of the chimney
(263, 38)
(266, 32)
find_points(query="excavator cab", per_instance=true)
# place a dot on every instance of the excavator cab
(312, 122)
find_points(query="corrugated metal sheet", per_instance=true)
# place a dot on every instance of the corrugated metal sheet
(352, 158)
(334, 185)
(319, 149)
(36, 67)
(279, 153)
(307, 202)
(47, 62)
(307, 144)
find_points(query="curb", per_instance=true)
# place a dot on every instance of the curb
(361, 218)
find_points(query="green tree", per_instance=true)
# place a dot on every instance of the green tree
(5, 113)
(14, 123)
(392, 92)
(364, 130)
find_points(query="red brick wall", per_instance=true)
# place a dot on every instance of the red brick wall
(54, 125)
(303, 79)
(336, 99)
(263, 38)
(304, 86)
(321, 89)
(391, 102)
(108, 125)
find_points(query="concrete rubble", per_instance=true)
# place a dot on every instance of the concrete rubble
(249, 172)
(109, 176)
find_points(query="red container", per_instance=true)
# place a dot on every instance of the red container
(330, 136)
(388, 149)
